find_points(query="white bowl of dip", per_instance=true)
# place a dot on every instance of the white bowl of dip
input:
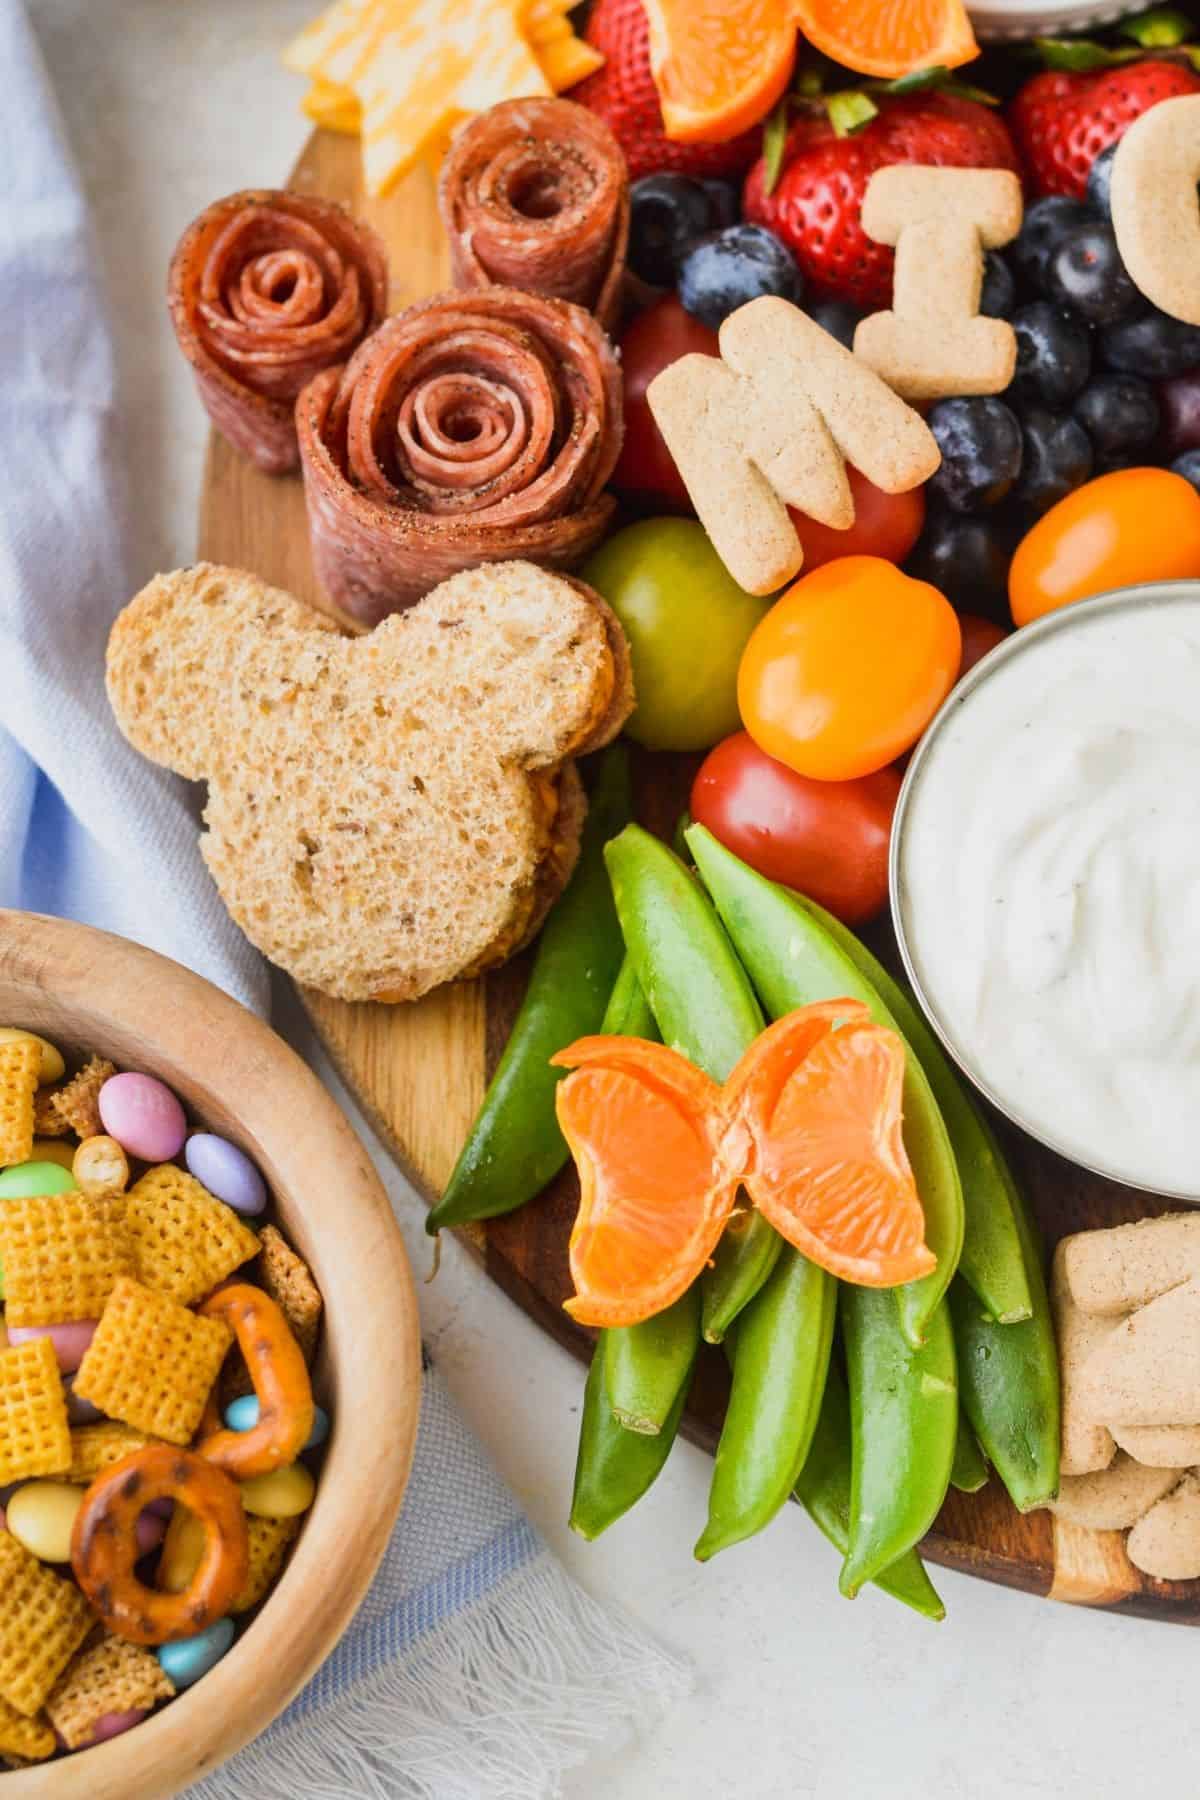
(1045, 878)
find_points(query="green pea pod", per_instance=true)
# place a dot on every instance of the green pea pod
(628, 1011)
(991, 1260)
(741, 1263)
(970, 1471)
(646, 1365)
(615, 1467)
(903, 1427)
(824, 1491)
(793, 961)
(780, 1361)
(1010, 1381)
(515, 1146)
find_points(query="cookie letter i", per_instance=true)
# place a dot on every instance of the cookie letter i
(934, 341)
(1154, 210)
(772, 424)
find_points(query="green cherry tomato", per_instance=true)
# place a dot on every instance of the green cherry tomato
(687, 622)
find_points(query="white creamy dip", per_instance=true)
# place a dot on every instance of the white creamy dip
(1049, 886)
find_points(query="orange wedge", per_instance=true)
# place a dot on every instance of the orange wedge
(829, 1170)
(719, 65)
(888, 40)
(643, 1125)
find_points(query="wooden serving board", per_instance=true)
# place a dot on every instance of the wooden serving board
(420, 1071)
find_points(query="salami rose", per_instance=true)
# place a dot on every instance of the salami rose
(266, 289)
(534, 194)
(472, 428)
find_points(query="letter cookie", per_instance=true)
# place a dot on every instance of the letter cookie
(1154, 211)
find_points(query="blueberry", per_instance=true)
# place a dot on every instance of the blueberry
(1045, 225)
(1154, 345)
(724, 202)
(724, 269)
(1188, 465)
(1120, 414)
(838, 318)
(980, 442)
(1054, 355)
(1086, 273)
(1056, 459)
(966, 558)
(666, 213)
(999, 295)
(1099, 183)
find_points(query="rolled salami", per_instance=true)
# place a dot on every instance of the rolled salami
(534, 194)
(266, 289)
(472, 428)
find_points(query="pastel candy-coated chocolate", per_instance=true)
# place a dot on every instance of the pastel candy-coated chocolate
(70, 1340)
(24, 1179)
(52, 1066)
(187, 1659)
(55, 1150)
(143, 1115)
(150, 1530)
(112, 1724)
(283, 1494)
(226, 1172)
(79, 1410)
(40, 1515)
(242, 1415)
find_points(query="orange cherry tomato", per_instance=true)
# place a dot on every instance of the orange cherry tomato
(886, 525)
(1131, 526)
(848, 668)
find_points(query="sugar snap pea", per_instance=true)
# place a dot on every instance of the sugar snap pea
(970, 1470)
(742, 1262)
(646, 1365)
(1010, 1381)
(614, 1467)
(903, 1427)
(515, 1146)
(991, 1260)
(824, 1491)
(792, 961)
(780, 1361)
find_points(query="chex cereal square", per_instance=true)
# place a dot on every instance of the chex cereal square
(62, 1255)
(110, 1676)
(185, 1240)
(20, 1061)
(152, 1362)
(24, 1740)
(35, 1438)
(286, 1277)
(95, 1448)
(77, 1102)
(270, 1541)
(42, 1623)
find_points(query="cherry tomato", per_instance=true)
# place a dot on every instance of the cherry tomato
(848, 668)
(886, 525)
(1131, 526)
(828, 839)
(978, 637)
(658, 336)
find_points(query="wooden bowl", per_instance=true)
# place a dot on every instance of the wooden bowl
(87, 990)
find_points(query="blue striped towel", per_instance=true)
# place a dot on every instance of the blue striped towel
(476, 1669)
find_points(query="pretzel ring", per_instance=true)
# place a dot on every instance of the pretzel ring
(280, 1376)
(104, 1546)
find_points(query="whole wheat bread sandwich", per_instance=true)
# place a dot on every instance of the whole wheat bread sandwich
(388, 812)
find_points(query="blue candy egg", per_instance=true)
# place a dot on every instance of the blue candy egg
(225, 1171)
(187, 1659)
(242, 1415)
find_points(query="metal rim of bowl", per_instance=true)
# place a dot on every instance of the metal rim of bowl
(1063, 618)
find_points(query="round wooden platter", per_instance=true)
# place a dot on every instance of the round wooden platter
(420, 1071)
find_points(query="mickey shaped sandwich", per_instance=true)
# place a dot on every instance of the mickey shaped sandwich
(385, 813)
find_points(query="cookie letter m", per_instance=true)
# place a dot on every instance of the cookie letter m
(770, 424)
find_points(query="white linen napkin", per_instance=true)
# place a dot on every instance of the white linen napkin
(476, 1669)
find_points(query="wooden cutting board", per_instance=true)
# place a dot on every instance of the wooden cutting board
(420, 1071)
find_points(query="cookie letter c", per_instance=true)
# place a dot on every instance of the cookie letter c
(934, 341)
(1154, 210)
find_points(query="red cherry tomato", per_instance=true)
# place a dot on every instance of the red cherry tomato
(658, 336)
(886, 525)
(828, 839)
(978, 637)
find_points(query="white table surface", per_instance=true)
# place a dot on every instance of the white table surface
(170, 104)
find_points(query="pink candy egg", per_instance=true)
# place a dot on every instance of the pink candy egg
(70, 1340)
(144, 1116)
(79, 1410)
(150, 1531)
(112, 1724)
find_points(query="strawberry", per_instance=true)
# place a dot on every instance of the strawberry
(625, 97)
(1061, 120)
(816, 205)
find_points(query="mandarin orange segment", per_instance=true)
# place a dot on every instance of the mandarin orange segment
(889, 41)
(754, 1086)
(719, 65)
(656, 1064)
(830, 1171)
(653, 1197)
